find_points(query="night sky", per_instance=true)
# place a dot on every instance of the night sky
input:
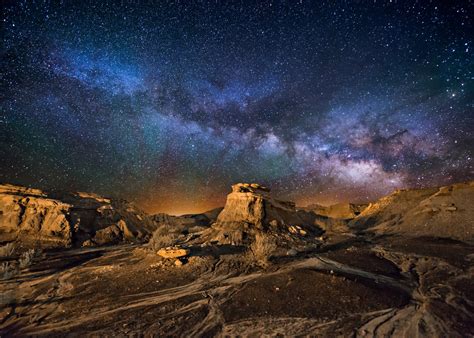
(168, 103)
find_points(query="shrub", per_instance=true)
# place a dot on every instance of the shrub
(262, 249)
(27, 258)
(8, 270)
(7, 250)
(162, 238)
(12, 267)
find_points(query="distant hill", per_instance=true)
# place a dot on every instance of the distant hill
(339, 211)
(446, 212)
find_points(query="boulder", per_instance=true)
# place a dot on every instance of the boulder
(110, 235)
(173, 252)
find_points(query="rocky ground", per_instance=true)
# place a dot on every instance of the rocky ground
(349, 286)
(361, 273)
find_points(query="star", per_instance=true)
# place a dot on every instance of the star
(168, 104)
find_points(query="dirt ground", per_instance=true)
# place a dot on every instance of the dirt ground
(349, 287)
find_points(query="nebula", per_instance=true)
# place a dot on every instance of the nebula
(167, 104)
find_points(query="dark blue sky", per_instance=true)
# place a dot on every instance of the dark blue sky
(167, 103)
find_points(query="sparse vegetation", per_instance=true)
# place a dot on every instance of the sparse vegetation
(262, 249)
(27, 258)
(7, 250)
(11, 268)
(8, 270)
(163, 237)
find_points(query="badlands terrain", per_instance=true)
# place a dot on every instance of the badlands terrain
(82, 264)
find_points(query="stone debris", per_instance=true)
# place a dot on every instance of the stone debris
(297, 230)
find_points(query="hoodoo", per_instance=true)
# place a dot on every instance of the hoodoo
(250, 207)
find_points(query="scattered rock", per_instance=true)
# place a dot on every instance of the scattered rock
(88, 243)
(273, 223)
(292, 229)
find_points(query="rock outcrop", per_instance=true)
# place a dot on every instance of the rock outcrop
(446, 212)
(250, 207)
(184, 225)
(335, 218)
(69, 219)
(343, 211)
(187, 223)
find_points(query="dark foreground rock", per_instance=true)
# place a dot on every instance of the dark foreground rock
(386, 288)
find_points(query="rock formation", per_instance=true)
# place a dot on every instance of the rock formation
(67, 219)
(339, 211)
(251, 207)
(335, 218)
(436, 212)
(187, 223)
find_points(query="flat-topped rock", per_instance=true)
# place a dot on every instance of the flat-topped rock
(173, 252)
(250, 187)
(250, 206)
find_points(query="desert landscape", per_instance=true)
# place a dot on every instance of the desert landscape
(236, 168)
(81, 264)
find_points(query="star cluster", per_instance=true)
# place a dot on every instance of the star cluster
(168, 103)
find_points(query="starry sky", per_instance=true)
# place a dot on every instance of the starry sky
(168, 103)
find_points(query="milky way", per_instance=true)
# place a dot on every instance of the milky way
(167, 104)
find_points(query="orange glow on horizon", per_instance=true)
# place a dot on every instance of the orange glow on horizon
(182, 203)
(175, 205)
